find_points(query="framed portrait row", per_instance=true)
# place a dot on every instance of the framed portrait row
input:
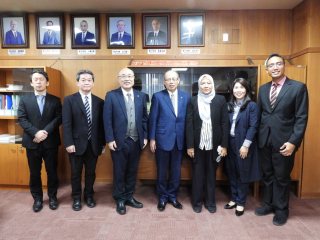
(85, 30)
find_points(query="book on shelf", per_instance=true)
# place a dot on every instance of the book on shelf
(9, 104)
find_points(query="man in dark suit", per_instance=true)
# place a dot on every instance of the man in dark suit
(13, 36)
(125, 123)
(50, 36)
(83, 136)
(39, 115)
(283, 104)
(156, 37)
(121, 37)
(166, 134)
(85, 37)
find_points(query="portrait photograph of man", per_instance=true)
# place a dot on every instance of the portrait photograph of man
(14, 32)
(156, 31)
(50, 32)
(85, 31)
(120, 32)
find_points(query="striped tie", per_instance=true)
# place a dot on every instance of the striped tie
(88, 113)
(273, 95)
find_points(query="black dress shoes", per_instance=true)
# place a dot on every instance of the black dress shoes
(134, 203)
(121, 208)
(279, 220)
(211, 209)
(197, 209)
(91, 203)
(76, 206)
(228, 206)
(161, 206)
(37, 205)
(53, 203)
(176, 204)
(262, 211)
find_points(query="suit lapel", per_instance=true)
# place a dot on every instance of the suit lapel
(167, 99)
(137, 102)
(282, 92)
(181, 100)
(33, 101)
(79, 101)
(93, 108)
(120, 98)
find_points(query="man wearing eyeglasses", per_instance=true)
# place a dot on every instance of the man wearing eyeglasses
(125, 121)
(166, 133)
(283, 104)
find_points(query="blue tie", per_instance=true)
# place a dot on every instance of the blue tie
(40, 100)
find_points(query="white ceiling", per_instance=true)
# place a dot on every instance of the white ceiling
(129, 6)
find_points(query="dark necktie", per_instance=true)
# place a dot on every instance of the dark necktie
(273, 95)
(88, 113)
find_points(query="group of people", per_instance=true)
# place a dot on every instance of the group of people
(256, 140)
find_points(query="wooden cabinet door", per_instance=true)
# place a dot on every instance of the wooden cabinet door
(299, 74)
(8, 164)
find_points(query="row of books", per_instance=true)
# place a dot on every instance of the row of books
(9, 104)
(10, 138)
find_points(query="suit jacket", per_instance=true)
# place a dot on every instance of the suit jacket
(88, 40)
(75, 124)
(246, 127)
(161, 39)
(50, 39)
(116, 120)
(287, 121)
(165, 127)
(31, 120)
(125, 40)
(219, 122)
(10, 39)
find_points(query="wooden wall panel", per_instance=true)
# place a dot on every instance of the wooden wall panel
(300, 30)
(311, 164)
(314, 24)
(256, 28)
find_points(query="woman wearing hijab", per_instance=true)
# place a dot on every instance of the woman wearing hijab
(242, 162)
(206, 128)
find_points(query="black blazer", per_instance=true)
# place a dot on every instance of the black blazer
(287, 121)
(75, 124)
(219, 120)
(31, 120)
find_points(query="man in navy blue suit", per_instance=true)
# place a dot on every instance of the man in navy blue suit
(125, 121)
(166, 134)
(85, 37)
(121, 37)
(13, 37)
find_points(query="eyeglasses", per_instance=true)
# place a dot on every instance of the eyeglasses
(171, 79)
(126, 76)
(272, 65)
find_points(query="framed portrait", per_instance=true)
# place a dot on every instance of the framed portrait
(85, 31)
(120, 29)
(50, 30)
(191, 30)
(156, 30)
(14, 31)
